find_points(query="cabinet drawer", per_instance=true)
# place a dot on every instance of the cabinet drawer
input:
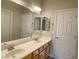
(47, 51)
(50, 43)
(46, 45)
(41, 49)
(35, 53)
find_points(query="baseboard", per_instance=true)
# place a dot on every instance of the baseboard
(51, 56)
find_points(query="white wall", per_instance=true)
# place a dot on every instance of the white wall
(49, 7)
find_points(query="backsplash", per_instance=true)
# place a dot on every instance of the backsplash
(14, 42)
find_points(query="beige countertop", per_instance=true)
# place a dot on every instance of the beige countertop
(30, 46)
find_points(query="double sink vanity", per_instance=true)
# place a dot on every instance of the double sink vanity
(33, 49)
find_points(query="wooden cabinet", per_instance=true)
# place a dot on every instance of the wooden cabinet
(41, 53)
(28, 57)
(35, 54)
(47, 51)
(36, 57)
(41, 49)
(45, 46)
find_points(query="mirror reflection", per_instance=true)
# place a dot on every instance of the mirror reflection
(42, 23)
(45, 24)
(16, 21)
(37, 23)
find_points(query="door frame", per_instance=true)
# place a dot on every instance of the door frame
(55, 27)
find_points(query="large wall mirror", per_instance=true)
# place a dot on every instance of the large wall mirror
(16, 21)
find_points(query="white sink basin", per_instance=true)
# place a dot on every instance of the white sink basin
(14, 53)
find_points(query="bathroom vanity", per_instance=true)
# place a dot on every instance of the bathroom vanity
(39, 49)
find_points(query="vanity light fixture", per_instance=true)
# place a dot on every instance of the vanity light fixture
(37, 9)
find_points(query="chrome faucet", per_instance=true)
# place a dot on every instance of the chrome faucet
(9, 47)
(30, 34)
(36, 39)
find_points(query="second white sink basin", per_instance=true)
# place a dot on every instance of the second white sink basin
(14, 53)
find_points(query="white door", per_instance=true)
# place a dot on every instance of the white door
(5, 25)
(66, 34)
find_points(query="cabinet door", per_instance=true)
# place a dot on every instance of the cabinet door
(42, 55)
(35, 57)
(35, 54)
(47, 51)
(28, 57)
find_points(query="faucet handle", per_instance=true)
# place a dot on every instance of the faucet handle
(3, 46)
(10, 47)
(5, 43)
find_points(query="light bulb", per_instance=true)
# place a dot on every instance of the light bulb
(36, 8)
